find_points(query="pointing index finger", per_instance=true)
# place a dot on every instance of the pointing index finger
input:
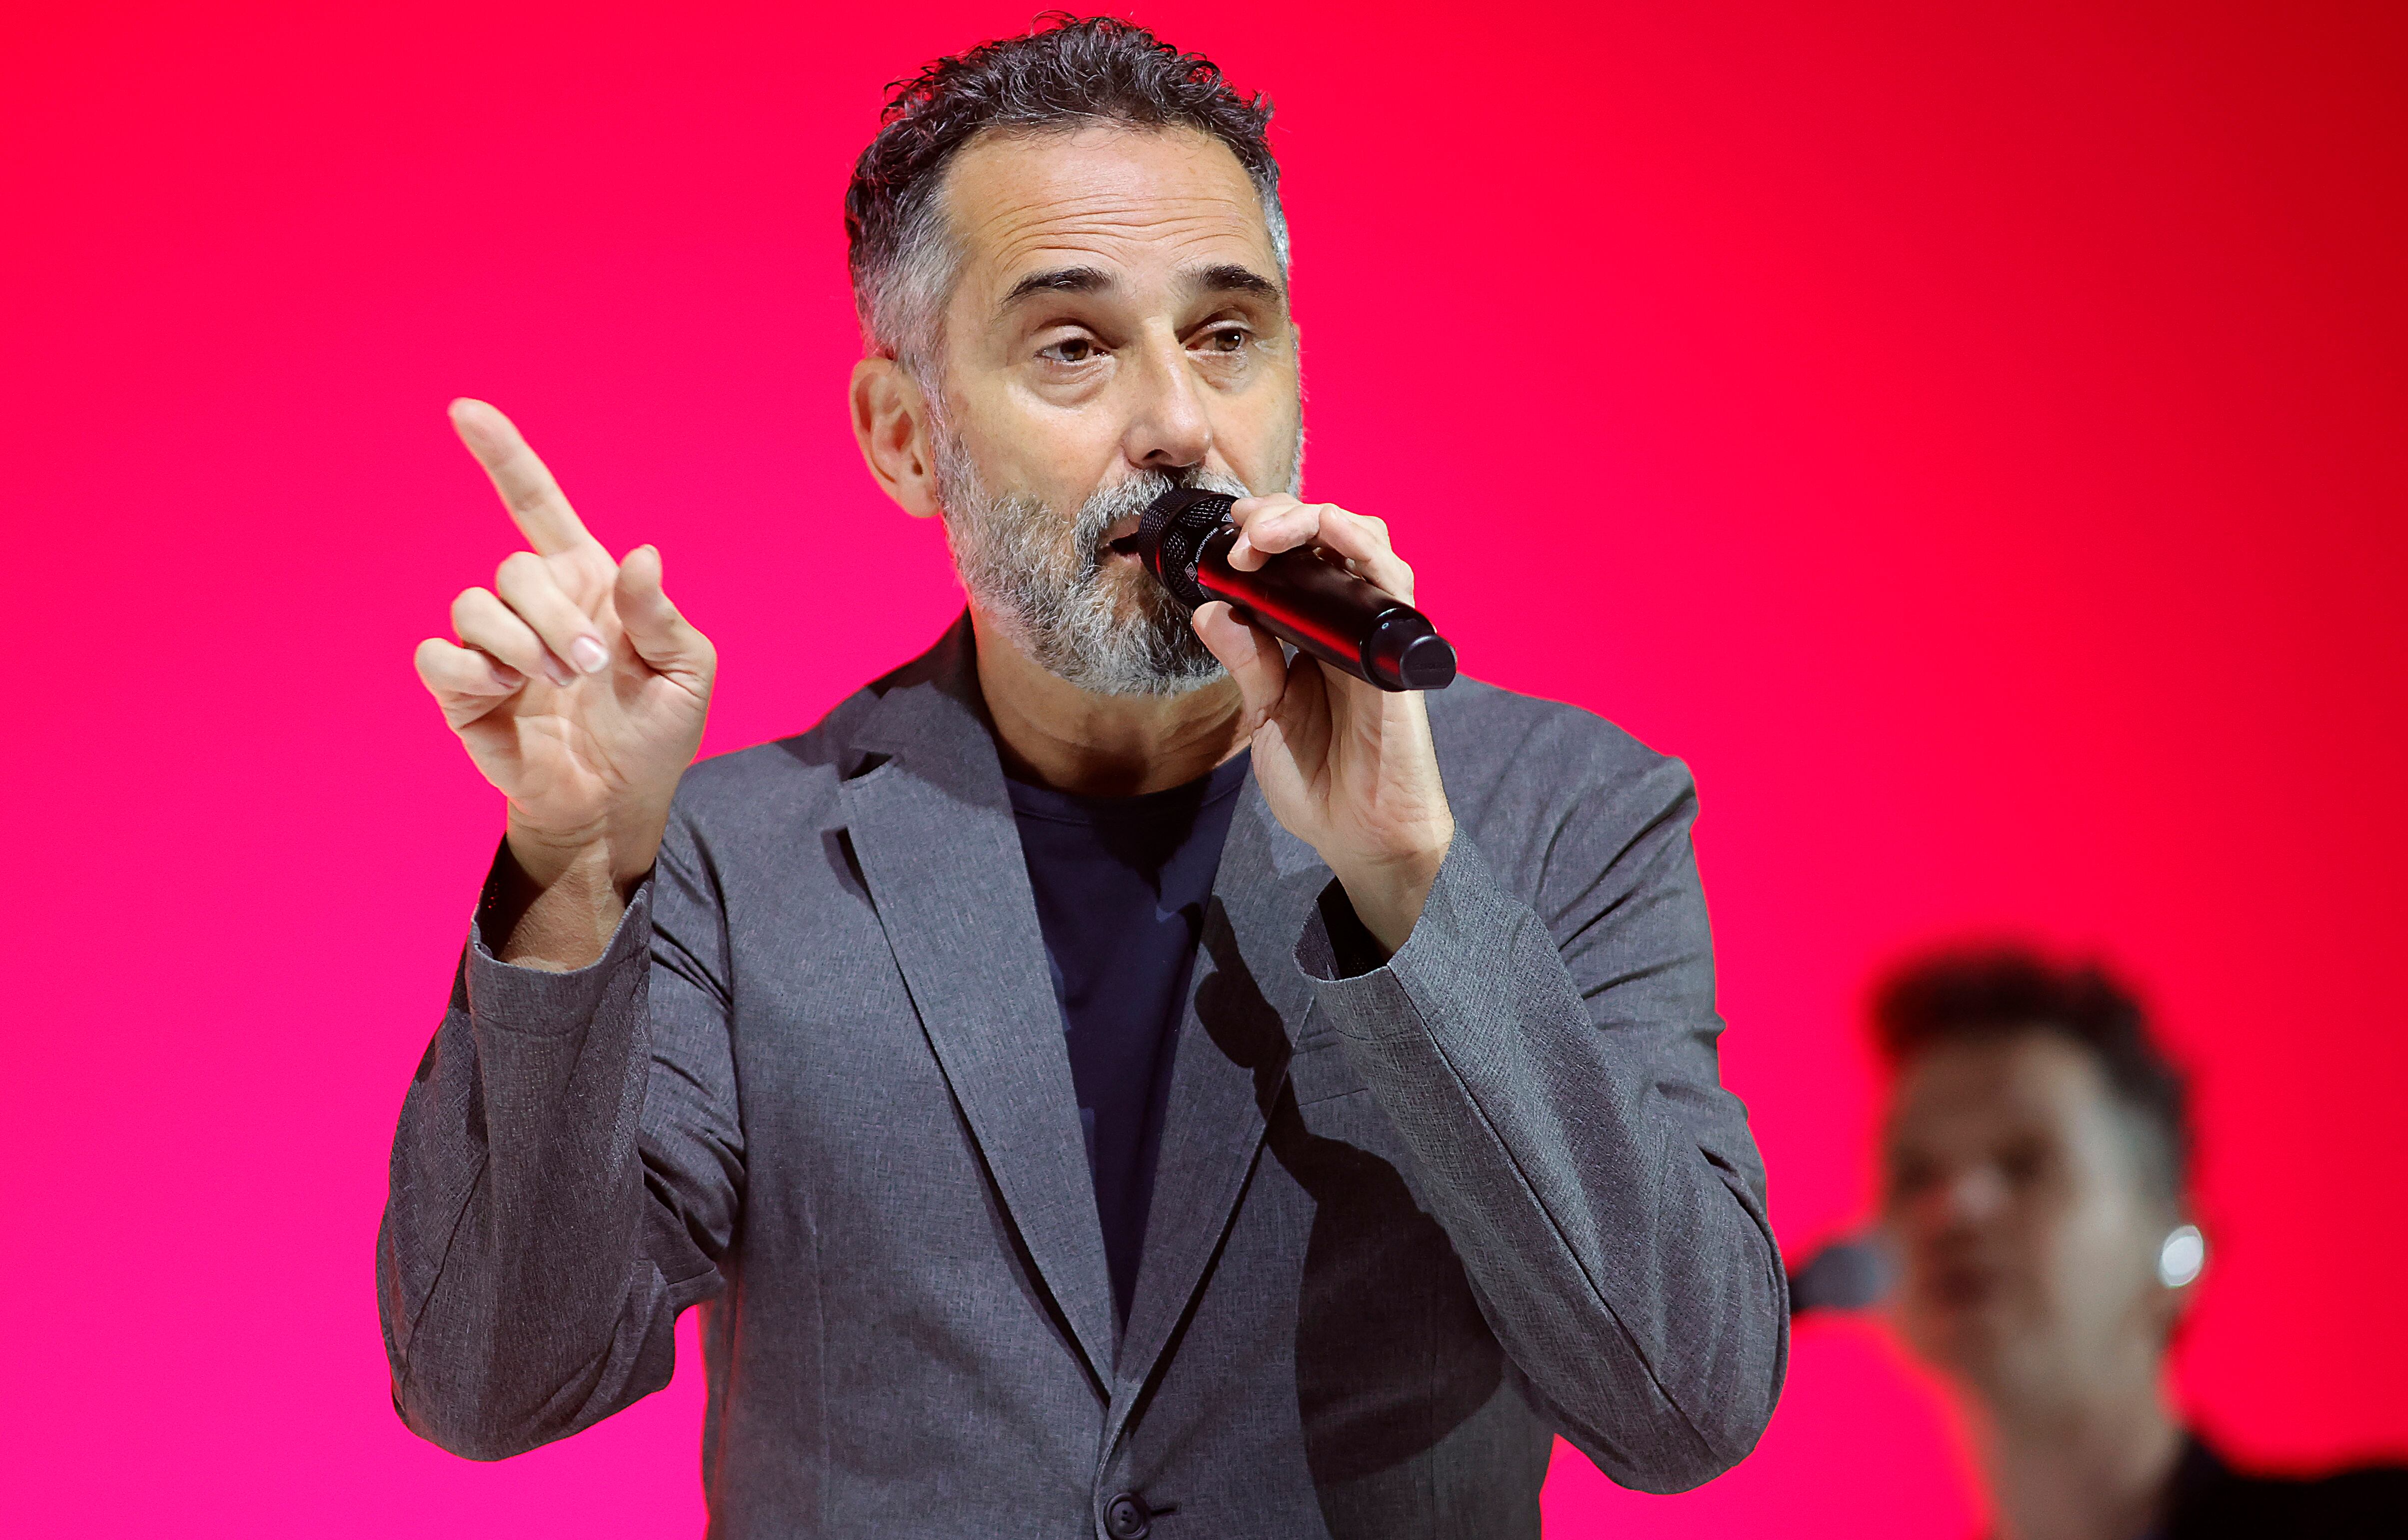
(537, 505)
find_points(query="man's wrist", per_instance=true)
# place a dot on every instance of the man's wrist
(560, 915)
(1388, 893)
(620, 848)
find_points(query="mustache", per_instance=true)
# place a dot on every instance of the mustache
(1129, 498)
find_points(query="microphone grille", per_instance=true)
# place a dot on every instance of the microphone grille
(1173, 530)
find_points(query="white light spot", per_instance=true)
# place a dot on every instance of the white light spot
(2180, 1259)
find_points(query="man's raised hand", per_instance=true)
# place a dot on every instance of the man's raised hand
(578, 688)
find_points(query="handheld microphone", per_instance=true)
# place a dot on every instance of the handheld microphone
(1299, 596)
(1846, 1275)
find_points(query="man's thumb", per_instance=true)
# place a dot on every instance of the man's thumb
(656, 630)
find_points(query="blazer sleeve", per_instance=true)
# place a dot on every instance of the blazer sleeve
(1550, 1063)
(565, 1179)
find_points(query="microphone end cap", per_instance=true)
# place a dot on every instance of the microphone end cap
(1428, 664)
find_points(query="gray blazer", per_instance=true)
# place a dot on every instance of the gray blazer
(1407, 1224)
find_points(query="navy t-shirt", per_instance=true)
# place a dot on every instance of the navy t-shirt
(1122, 884)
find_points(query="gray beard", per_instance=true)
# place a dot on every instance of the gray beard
(1111, 631)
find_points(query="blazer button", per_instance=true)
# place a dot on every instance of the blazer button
(1127, 1518)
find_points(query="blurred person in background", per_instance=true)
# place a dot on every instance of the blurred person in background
(2037, 1155)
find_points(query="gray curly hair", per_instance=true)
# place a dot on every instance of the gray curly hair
(1068, 72)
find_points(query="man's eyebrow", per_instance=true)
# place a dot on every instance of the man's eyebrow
(1229, 277)
(1058, 280)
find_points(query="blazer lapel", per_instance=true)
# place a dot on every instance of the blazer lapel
(1248, 1002)
(932, 827)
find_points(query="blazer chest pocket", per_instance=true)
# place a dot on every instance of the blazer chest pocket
(1317, 1068)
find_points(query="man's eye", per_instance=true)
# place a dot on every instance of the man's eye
(1077, 350)
(2022, 1164)
(1222, 340)
(1908, 1177)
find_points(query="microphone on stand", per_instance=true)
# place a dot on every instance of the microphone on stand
(1302, 597)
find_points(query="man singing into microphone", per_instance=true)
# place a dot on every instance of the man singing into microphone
(1105, 1079)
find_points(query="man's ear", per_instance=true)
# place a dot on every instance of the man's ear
(891, 423)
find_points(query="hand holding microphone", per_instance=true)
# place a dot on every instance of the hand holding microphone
(1346, 765)
(1301, 595)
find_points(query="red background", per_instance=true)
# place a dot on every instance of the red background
(1979, 439)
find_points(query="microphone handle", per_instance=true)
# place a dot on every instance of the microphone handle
(1323, 609)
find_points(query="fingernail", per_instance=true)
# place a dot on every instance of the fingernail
(557, 672)
(506, 676)
(589, 655)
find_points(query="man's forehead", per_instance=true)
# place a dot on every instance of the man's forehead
(2024, 1083)
(1141, 202)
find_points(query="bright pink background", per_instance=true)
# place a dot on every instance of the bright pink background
(1982, 440)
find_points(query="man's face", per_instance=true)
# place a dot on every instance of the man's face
(2026, 1233)
(1118, 326)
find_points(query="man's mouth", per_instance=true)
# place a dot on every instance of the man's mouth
(1963, 1287)
(1120, 536)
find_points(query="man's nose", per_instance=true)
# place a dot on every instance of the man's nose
(1971, 1196)
(1169, 425)
(1960, 1201)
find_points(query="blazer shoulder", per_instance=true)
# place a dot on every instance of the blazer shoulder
(1556, 797)
(1495, 736)
(778, 778)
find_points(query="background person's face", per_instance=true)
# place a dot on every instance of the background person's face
(2025, 1234)
(1119, 318)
